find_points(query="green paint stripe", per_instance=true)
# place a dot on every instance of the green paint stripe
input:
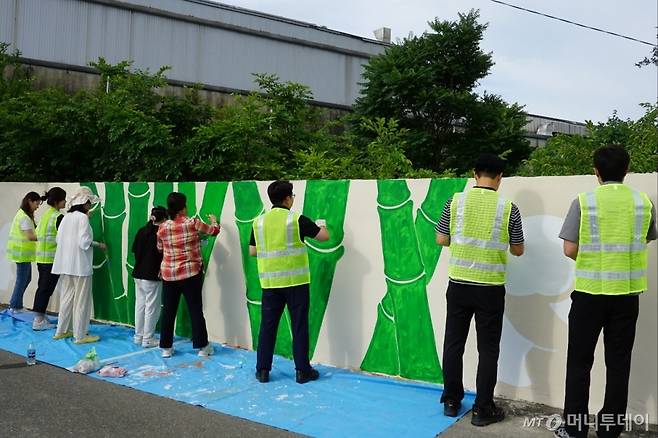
(324, 200)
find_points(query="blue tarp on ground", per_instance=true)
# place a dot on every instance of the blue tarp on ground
(341, 403)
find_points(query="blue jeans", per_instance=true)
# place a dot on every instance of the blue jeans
(23, 278)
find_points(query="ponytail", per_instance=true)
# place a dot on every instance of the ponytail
(54, 196)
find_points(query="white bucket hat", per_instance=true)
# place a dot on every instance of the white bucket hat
(83, 195)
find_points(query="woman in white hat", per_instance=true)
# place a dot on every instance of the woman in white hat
(73, 263)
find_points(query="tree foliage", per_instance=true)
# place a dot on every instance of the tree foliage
(427, 83)
(572, 154)
(128, 128)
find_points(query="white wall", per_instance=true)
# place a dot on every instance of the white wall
(533, 349)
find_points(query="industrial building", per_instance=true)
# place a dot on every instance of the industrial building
(212, 44)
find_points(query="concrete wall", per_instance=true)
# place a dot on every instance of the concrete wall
(380, 297)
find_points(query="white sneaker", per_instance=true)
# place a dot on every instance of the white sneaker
(150, 342)
(137, 340)
(561, 432)
(44, 324)
(167, 352)
(206, 351)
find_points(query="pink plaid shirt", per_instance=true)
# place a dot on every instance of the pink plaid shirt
(179, 242)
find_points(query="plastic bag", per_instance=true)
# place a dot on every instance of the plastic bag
(112, 371)
(90, 363)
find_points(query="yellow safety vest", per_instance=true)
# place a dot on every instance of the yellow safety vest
(479, 236)
(612, 249)
(47, 236)
(281, 254)
(19, 248)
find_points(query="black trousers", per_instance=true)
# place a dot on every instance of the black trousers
(487, 303)
(190, 288)
(589, 315)
(45, 287)
(297, 298)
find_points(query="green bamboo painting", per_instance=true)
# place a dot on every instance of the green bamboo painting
(160, 192)
(324, 200)
(403, 340)
(114, 215)
(427, 216)
(113, 301)
(248, 206)
(104, 303)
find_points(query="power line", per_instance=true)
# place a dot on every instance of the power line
(575, 23)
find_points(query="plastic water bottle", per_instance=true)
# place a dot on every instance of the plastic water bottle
(31, 355)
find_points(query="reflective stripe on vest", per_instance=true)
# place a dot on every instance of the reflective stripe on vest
(281, 255)
(612, 251)
(47, 236)
(19, 248)
(479, 242)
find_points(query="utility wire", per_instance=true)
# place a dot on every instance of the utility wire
(575, 23)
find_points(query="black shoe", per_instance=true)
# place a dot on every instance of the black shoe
(485, 416)
(307, 376)
(263, 376)
(451, 408)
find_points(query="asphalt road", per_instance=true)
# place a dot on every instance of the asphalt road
(46, 401)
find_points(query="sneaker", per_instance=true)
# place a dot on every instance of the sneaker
(167, 352)
(307, 376)
(451, 408)
(206, 351)
(150, 343)
(561, 432)
(263, 376)
(63, 335)
(15, 311)
(486, 416)
(87, 339)
(44, 324)
(137, 340)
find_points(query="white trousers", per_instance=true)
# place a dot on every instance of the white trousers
(147, 307)
(75, 304)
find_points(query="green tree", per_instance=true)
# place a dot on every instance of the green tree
(572, 154)
(428, 82)
(14, 77)
(128, 128)
(258, 135)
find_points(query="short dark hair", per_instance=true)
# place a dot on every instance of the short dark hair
(278, 191)
(489, 165)
(54, 195)
(612, 162)
(176, 202)
(159, 213)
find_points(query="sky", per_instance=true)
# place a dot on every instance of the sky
(552, 68)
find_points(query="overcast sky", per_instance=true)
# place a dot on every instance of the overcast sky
(553, 68)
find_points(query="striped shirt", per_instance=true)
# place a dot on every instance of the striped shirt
(180, 244)
(515, 227)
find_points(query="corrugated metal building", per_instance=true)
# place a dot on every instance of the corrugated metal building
(216, 45)
(540, 128)
(204, 42)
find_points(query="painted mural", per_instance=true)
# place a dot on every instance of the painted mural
(403, 342)
(378, 285)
